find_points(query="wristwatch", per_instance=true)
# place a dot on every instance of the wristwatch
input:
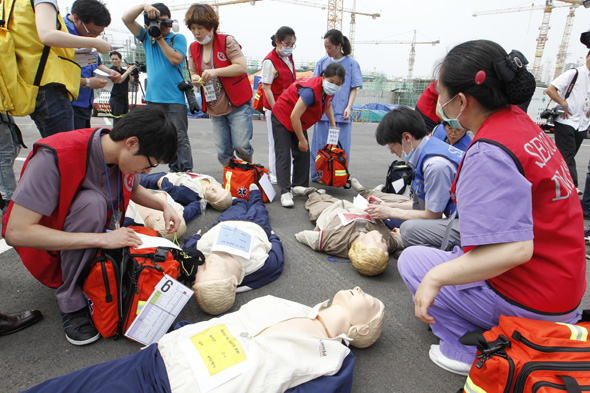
(87, 85)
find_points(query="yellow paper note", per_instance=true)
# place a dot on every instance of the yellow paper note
(218, 348)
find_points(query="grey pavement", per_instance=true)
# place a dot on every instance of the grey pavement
(398, 362)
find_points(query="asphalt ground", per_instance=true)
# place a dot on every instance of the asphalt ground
(398, 362)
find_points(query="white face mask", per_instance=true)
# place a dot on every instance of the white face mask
(330, 88)
(205, 41)
(286, 51)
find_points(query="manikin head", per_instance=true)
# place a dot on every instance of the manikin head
(369, 253)
(362, 313)
(154, 219)
(216, 282)
(217, 196)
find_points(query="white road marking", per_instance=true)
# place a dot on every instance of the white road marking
(107, 121)
(20, 158)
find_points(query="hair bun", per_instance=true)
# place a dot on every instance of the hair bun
(521, 88)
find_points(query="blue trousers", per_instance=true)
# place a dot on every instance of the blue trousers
(143, 371)
(53, 112)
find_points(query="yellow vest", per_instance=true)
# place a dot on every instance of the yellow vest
(20, 79)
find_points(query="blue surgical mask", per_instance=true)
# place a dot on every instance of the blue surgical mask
(406, 156)
(286, 51)
(452, 122)
(330, 88)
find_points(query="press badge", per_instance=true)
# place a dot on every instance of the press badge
(115, 222)
(209, 89)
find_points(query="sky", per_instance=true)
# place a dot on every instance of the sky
(449, 21)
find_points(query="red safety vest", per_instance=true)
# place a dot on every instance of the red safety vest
(427, 102)
(71, 150)
(283, 79)
(554, 280)
(286, 102)
(237, 88)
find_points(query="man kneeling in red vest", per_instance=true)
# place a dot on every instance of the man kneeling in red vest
(71, 200)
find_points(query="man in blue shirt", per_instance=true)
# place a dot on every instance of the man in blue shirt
(435, 163)
(164, 57)
(89, 18)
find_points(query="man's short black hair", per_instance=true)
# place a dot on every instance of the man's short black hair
(155, 131)
(92, 11)
(395, 123)
(164, 10)
(116, 54)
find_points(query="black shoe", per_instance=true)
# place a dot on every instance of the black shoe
(10, 323)
(79, 328)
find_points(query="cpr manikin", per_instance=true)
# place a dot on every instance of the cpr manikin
(206, 187)
(366, 242)
(154, 219)
(275, 345)
(224, 273)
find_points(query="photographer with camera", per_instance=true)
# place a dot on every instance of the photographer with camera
(571, 90)
(164, 54)
(119, 101)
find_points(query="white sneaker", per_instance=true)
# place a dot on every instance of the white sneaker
(446, 363)
(580, 192)
(356, 185)
(253, 187)
(380, 187)
(287, 200)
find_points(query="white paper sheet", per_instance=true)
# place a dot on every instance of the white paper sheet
(267, 187)
(234, 241)
(159, 312)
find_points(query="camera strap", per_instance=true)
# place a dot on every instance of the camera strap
(569, 88)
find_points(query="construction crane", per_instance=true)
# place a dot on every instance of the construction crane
(335, 12)
(544, 29)
(413, 44)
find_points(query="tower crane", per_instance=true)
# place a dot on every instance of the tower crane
(335, 12)
(544, 29)
(413, 44)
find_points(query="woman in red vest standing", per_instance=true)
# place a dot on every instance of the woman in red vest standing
(278, 73)
(298, 108)
(523, 252)
(218, 67)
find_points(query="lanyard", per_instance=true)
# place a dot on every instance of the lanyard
(108, 183)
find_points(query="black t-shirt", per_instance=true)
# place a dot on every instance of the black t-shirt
(120, 90)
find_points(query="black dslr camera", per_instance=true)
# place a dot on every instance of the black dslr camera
(153, 25)
(551, 115)
(187, 88)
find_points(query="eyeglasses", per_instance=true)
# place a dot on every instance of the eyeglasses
(289, 45)
(92, 33)
(151, 165)
(455, 130)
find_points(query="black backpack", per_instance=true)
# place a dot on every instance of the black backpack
(398, 170)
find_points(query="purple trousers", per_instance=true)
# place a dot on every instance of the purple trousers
(459, 309)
